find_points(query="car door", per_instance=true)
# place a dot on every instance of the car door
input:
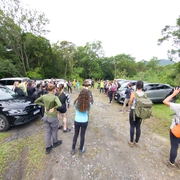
(150, 91)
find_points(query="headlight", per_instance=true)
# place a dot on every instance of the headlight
(17, 111)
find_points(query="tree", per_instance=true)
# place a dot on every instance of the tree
(15, 22)
(172, 33)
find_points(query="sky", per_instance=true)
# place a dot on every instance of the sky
(123, 26)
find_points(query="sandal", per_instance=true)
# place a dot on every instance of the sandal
(131, 144)
(67, 130)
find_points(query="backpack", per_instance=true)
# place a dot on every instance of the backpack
(143, 107)
(112, 88)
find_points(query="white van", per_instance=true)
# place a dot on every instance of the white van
(8, 82)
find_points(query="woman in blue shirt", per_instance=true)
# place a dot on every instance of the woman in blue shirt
(82, 106)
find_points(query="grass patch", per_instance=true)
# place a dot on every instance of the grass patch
(161, 120)
(30, 150)
(3, 136)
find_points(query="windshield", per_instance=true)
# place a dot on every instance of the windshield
(6, 93)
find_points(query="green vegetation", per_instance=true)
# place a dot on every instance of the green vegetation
(161, 120)
(26, 52)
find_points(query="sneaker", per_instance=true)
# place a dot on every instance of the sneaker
(81, 151)
(67, 130)
(73, 151)
(60, 127)
(59, 142)
(48, 149)
(169, 164)
(121, 111)
(131, 144)
(127, 111)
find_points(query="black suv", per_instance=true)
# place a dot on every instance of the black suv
(15, 110)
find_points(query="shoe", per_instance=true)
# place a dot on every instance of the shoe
(131, 144)
(60, 127)
(81, 151)
(121, 111)
(73, 151)
(127, 111)
(59, 142)
(169, 164)
(67, 130)
(48, 149)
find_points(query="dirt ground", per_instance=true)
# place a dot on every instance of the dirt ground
(108, 155)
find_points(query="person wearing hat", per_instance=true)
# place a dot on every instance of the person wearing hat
(127, 98)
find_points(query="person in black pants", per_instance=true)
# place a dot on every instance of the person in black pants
(175, 121)
(69, 84)
(82, 106)
(134, 121)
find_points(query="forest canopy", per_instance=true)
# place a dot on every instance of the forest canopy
(26, 52)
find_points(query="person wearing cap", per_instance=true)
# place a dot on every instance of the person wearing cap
(127, 98)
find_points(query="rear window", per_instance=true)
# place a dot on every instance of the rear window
(3, 82)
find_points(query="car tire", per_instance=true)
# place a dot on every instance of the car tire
(4, 124)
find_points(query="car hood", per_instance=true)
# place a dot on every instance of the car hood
(14, 103)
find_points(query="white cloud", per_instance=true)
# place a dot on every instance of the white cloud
(131, 27)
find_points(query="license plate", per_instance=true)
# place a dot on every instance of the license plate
(36, 111)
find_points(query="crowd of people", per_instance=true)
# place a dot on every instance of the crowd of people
(54, 100)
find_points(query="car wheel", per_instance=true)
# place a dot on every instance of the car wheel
(4, 124)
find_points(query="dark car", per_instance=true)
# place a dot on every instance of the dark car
(15, 110)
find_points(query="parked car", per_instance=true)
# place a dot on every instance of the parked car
(15, 110)
(120, 93)
(8, 82)
(89, 80)
(157, 92)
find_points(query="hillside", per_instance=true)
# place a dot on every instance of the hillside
(164, 62)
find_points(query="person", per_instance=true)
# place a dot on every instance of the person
(82, 106)
(69, 84)
(18, 90)
(85, 86)
(101, 86)
(174, 141)
(98, 86)
(92, 83)
(126, 100)
(77, 85)
(30, 91)
(51, 103)
(135, 122)
(110, 92)
(63, 97)
(74, 84)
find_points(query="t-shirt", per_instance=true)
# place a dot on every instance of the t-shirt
(49, 101)
(176, 118)
(81, 116)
